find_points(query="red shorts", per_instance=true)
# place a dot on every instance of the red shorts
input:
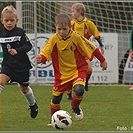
(67, 87)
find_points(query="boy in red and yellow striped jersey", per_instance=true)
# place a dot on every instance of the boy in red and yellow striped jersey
(86, 28)
(68, 52)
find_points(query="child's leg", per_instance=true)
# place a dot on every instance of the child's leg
(3, 79)
(78, 85)
(22, 78)
(89, 73)
(57, 96)
(28, 93)
(77, 99)
(55, 104)
(78, 95)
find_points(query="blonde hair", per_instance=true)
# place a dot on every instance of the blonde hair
(79, 7)
(63, 19)
(9, 9)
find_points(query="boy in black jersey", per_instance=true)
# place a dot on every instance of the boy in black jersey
(16, 64)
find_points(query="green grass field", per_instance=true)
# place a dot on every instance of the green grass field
(106, 108)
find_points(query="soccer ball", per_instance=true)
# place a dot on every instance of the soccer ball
(61, 120)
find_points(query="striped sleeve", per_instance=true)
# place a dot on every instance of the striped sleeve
(46, 50)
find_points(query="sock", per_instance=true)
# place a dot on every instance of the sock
(76, 101)
(54, 108)
(1, 88)
(30, 97)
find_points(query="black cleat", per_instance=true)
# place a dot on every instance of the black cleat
(34, 110)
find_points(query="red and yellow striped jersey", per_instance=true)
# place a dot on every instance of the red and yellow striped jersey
(86, 28)
(68, 55)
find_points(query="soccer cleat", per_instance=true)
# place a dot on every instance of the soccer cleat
(131, 87)
(34, 110)
(49, 124)
(69, 96)
(78, 113)
(86, 86)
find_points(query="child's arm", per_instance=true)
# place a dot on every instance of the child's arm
(101, 45)
(90, 50)
(101, 58)
(26, 46)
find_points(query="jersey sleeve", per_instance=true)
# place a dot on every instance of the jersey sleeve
(46, 50)
(90, 50)
(93, 29)
(87, 48)
(26, 45)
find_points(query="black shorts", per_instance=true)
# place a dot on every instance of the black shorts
(20, 77)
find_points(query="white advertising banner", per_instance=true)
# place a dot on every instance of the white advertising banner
(45, 73)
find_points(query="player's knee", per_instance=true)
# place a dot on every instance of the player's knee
(57, 99)
(79, 89)
(24, 89)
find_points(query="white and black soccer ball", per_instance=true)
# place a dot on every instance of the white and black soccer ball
(61, 119)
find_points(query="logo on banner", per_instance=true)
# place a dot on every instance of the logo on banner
(40, 40)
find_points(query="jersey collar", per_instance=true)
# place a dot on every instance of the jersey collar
(84, 20)
(67, 37)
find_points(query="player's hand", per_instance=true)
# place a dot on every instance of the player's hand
(104, 65)
(38, 59)
(102, 49)
(12, 51)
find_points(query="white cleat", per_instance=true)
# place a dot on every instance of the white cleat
(78, 113)
(49, 124)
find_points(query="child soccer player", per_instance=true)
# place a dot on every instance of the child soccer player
(16, 64)
(86, 28)
(68, 51)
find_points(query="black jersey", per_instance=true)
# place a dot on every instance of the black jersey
(16, 39)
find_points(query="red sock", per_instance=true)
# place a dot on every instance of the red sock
(76, 100)
(54, 108)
